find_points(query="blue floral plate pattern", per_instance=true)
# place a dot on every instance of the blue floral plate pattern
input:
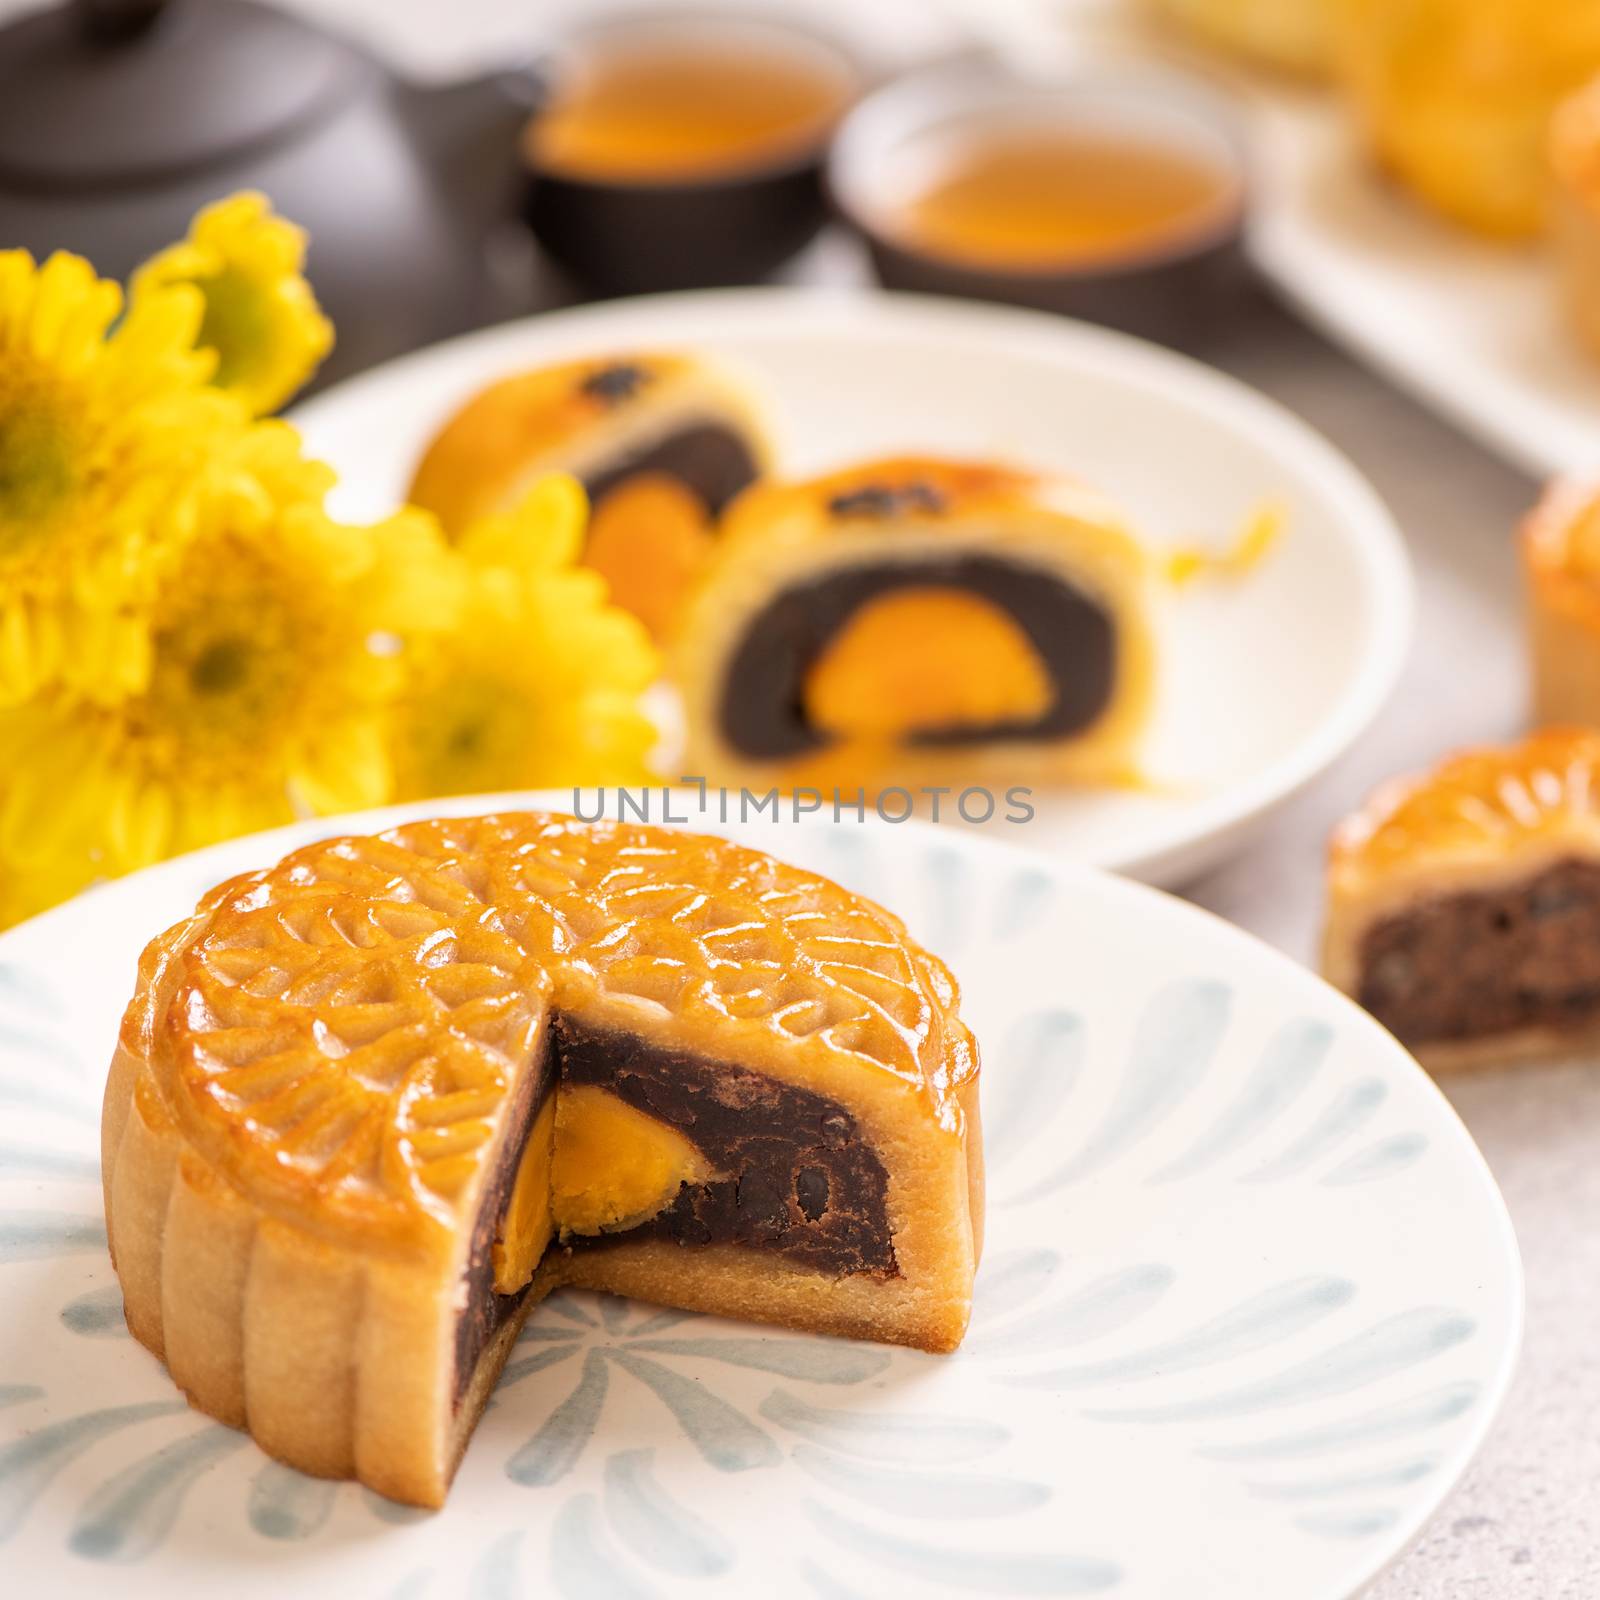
(1248, 1304)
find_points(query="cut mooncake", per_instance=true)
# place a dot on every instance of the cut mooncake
(1560, 546)
(1464, 905)
(372, 1104)
(917, 618)
(661, 442)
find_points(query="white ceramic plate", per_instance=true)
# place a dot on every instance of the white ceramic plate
(1248, 1303)
(1264, 683)
(1474, 329)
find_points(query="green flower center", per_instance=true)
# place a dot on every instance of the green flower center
(236, 659)
(38, 471)
(221, 667)
(469, 734)
(237, 325)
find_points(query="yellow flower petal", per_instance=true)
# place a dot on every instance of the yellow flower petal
(260, 317)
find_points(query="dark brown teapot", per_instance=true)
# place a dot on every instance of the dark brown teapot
(120, 118)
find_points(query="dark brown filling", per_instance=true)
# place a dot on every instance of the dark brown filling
(710, 460)
(483, 1312)
(802, 1184)
(763, 714)
(1468, 965)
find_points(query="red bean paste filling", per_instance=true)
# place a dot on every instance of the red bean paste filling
(1490, 962)
(803, 1184)
(762, 712)
(483, 1312)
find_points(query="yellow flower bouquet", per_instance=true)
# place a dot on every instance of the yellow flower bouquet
(192, 647)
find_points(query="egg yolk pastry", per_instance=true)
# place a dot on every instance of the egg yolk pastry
(1296, 35)
(1464, 905)
(1455, 97)
(1560, 549)
(370, 1105)
(661, 443)
(909, 619)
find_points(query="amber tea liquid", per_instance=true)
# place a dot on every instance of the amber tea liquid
(1032, 199)
(677, 111)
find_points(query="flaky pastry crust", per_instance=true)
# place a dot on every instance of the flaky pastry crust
(779, 534)
(566, 417)
(1484, 819)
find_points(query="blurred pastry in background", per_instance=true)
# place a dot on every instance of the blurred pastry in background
(661, 442)
(1574, 154)
(914, 620)
(1455, 96)
(1293, 35)
(1560, 546)
(1464, 904)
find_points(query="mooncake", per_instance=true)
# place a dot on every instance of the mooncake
(372, 1104)
(1454, 97)
(915, 619)
(1464, 904)
(1560, 549)
(661, 442)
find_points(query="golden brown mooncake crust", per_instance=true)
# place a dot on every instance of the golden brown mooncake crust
(314, 1081)
(1483, 822)
(903, 509)
(566, 417)
(1455, 98)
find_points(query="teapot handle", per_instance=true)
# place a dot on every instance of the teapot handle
(113, 21)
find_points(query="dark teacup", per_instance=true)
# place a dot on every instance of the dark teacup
(1119, 199)
(683, 150)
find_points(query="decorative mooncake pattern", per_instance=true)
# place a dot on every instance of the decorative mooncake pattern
(1491, 797)
(345, 1025)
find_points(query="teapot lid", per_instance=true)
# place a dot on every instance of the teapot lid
(97, 92)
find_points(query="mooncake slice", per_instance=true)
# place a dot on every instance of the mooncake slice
(1560, 547)
(914, 620)
(370, 1105)
(1464, 905)
(662, 442)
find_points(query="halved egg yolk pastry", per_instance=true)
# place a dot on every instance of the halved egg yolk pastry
(661, 442)
(913, 618)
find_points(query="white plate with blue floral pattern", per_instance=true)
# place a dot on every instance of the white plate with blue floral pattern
(1248, 1304)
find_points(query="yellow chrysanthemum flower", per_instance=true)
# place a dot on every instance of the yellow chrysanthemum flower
(268, 679)
(95, 430)
(48, 827)
(535, 680)
(261, 318)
